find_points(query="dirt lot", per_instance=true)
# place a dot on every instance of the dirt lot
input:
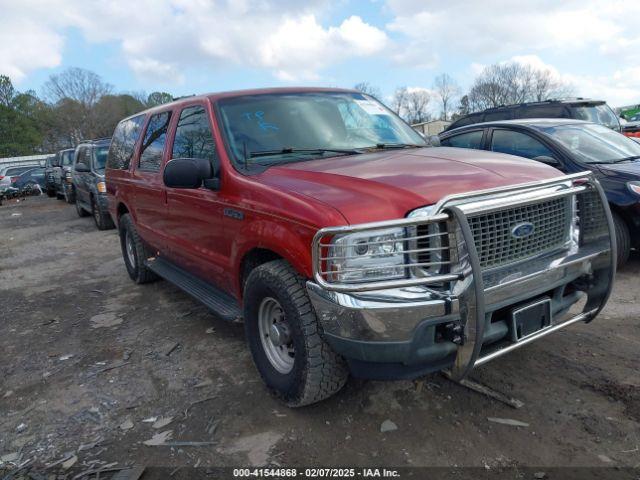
(87, 357)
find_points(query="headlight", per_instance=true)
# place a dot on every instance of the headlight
(367, 256)
(634, 187)
(102, 187)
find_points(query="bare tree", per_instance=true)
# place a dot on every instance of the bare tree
(366, 87)
(399, 100)
(447, 90)
(417, 108)
(411, 104)
(83, 86)
(509, 83)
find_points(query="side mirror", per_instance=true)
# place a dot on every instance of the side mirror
(434, 140)
(189, 173)
(547, 160)
(82, 168)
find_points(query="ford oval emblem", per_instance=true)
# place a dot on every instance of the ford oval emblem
(522, 230)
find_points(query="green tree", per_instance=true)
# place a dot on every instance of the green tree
(7, 92)
(158, 98)
(19, 135)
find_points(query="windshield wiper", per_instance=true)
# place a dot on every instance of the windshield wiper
(626, 159)
(289, 150)
(383, 146)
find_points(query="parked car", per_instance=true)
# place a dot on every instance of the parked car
(62, 175)
(571, 146)
(89, 187)
(596, 111)
(346, 243)
(631, 127)
(9, 174)
(32, 181)
(50, 184)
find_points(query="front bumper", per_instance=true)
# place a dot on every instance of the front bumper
(405, 331)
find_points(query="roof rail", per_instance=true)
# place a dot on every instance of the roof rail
(183, 96)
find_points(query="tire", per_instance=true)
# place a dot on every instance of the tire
(623, 239)
(81, 211)
(136, 267)
(69, 197)
(51, 193)
(59, 196)
(102, 220)
(316, 372)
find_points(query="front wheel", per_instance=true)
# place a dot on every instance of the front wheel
(284, 337)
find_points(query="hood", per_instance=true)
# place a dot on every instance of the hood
(387, 185)
(630, 168)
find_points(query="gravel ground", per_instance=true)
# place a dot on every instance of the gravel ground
(93, 365)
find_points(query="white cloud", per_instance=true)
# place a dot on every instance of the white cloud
(159, 39)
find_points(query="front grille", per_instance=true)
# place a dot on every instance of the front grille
(496, 243)
(591, 216)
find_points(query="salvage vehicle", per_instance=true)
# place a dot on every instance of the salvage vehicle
(50, 184)
(9, 175)
(571, 146)
(31, 182)
(596, 111)
(62, 175)
(346, 243)
(89, 187)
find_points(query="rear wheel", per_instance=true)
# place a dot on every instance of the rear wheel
(284, 337)
(623, 239)
(134, 252)
(102, 219)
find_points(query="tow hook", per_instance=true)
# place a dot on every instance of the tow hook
(454, 332)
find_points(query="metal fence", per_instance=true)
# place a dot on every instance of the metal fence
(25, 160)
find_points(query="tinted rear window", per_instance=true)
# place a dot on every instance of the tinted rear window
(123, 143)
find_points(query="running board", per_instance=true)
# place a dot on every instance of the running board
(216, 300)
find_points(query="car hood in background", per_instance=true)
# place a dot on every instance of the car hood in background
(388, 184)
(631, 168)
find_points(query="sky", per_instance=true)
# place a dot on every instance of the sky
(197, 46)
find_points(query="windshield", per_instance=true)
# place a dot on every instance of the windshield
(594, 143)
(635, 118)
(67, 157)
(601, 114)
(100, 157)
(323, 124)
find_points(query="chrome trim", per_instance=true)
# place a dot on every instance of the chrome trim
(383, 304)
(583, 317)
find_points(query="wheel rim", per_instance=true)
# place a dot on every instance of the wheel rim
(128, 246)
(275, 335)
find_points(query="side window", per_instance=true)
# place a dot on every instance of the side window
(153, 142)
(82, 156)
(464, 140)
(123, 143)
(193, 137)
(517, 143)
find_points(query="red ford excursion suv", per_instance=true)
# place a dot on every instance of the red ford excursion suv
(346, 243)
